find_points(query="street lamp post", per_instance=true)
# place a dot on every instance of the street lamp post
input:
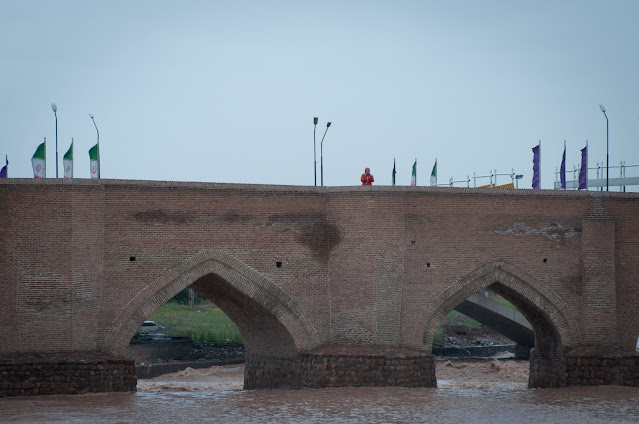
(54, 108)
(314, 150)
(328, 124)
(603, 109)
(98, 143)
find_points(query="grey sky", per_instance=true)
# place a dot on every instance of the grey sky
(226, 91)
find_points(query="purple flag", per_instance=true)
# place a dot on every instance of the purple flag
(562, 171)
(583, 172)
(4, 170)
(536, 181)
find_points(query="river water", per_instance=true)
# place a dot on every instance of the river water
(467, 393)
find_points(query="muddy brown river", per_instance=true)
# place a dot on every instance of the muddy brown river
(468, 392)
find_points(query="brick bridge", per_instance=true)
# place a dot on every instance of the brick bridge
(328, 286)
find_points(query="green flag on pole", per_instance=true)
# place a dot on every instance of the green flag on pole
(394, 172)
(433, 175)
(94, 157)
(39, 162)
(67, 162)
(413, 177)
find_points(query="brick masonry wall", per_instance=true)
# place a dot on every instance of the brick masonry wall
(84, 262)
(342, 366)
(68, 374)
(319, 371)
(597, 370)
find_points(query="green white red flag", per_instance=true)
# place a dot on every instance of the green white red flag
(67, 162)
(94, 157)
(39, 162)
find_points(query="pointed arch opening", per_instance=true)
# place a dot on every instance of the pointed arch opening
(271, 323)
(553, 325)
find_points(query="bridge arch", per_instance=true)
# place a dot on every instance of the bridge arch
(554, 325)
(268, 319)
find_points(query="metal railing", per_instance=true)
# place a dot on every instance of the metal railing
(600, 181)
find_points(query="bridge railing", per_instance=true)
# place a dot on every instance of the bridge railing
(617, 177)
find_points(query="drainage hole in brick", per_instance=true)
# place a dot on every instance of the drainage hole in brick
(428, 265)
(545, 260)
(278, 264)
(132, 258)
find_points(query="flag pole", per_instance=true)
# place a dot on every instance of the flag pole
(98, 143)
(71, 156)
(564, 171)
(315, 149)
(394, 172)
(45, 155)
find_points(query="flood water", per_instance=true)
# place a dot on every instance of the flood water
(472, 393)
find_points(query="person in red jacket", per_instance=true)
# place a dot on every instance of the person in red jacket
(367, 177)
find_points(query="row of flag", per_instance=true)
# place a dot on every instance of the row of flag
(583, 171)
(39, 162)
(413, 177)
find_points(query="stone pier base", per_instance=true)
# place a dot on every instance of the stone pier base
(41, 374)
(601, 370)
(342, 366)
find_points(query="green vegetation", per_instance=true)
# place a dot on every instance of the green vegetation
(438, 339)
(454, 317)
(202, 323)
(498, 298)
(183, 298)
(205, 322)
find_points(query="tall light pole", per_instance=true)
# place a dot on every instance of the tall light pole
(328, 124)
(98, 144)
(315, 150)
(54, 108)
(603, 109)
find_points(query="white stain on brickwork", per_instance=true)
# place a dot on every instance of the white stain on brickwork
(554, 231)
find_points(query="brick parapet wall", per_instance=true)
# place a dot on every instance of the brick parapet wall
(55, 375)
(597, 370)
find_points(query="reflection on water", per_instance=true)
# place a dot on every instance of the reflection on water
(215, 396)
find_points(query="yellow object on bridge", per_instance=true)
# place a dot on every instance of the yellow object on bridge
(509, 185)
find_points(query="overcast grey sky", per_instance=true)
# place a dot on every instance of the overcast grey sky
(226, 91)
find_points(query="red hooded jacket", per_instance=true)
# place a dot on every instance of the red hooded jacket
(367, 179)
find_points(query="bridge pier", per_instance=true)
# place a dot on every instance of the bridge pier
(65, 373)
(342, 366)
(595, 366)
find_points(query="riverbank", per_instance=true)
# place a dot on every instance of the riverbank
(459, 374)
(155, 353)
